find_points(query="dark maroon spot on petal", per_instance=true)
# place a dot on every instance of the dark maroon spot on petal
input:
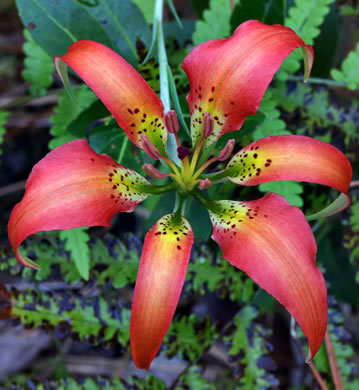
(133, 125)
(92, 159)
(130, 111)
(255, 155)
(266, 164)
(212, 89)
(136, 111)
(210, 99)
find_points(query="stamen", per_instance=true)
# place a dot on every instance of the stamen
(183, 152)
(203, 184)
(171, 122)
(153, 172)
(227, 150)
(149, 148)
(208, 124)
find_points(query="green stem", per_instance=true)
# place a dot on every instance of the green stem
(214, 177)
(158, 190)
(207, 203)
(171, 146)
(180, 205)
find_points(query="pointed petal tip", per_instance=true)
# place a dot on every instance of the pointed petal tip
(130, 99)
(280, 257)
(160, 279)
(73, 186)
(24, 260)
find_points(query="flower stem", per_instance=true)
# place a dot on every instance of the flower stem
(158, 190)
(171, 147)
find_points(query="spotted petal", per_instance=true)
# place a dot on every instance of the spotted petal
(121, 88)
(291, 157)
(73, 186)
(228, 77)
(272, 242)
(159, 283)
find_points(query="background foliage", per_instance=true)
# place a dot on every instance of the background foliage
(227, 333)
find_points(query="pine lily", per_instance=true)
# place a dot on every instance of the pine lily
(267, 238)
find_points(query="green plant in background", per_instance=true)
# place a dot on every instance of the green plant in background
(207, 272)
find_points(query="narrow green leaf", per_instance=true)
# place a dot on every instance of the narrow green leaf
(338, 204)
(38, 66)
(175, 100)
(76, 243)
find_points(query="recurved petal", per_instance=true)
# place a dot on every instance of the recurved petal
(272, 242)
(160, 278)
(228, 77)
(291, 157)
(73, 186)
(121, 88)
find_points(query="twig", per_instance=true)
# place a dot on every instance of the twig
(317, 80)
(311, 365)
(317, 376)
(11, 188)
(337, 379)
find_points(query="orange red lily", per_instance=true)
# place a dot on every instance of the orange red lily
(267, 238)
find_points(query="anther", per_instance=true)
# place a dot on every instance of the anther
(227, 150)
(203, 184)
(149, 148)
(153, 172)
(171, 121)
(208, 124)
(183, 152)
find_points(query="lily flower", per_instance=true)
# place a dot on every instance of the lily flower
(267, 238)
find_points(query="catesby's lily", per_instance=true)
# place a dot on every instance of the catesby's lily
(267, 238)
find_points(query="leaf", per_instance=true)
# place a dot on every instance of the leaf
(349, 70)
(248, 341)
(271, 124)
(216, 23)
(189, 337)
(289, 189)
(66, 111)
(199, 6)
(147, 8)
(192, 379)
(38, 66)
(268, 12)
(124, 23)
(150, 383)
(305, 17)
(3, 121)
(76, 243)
(96, 318)
(56, 25)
